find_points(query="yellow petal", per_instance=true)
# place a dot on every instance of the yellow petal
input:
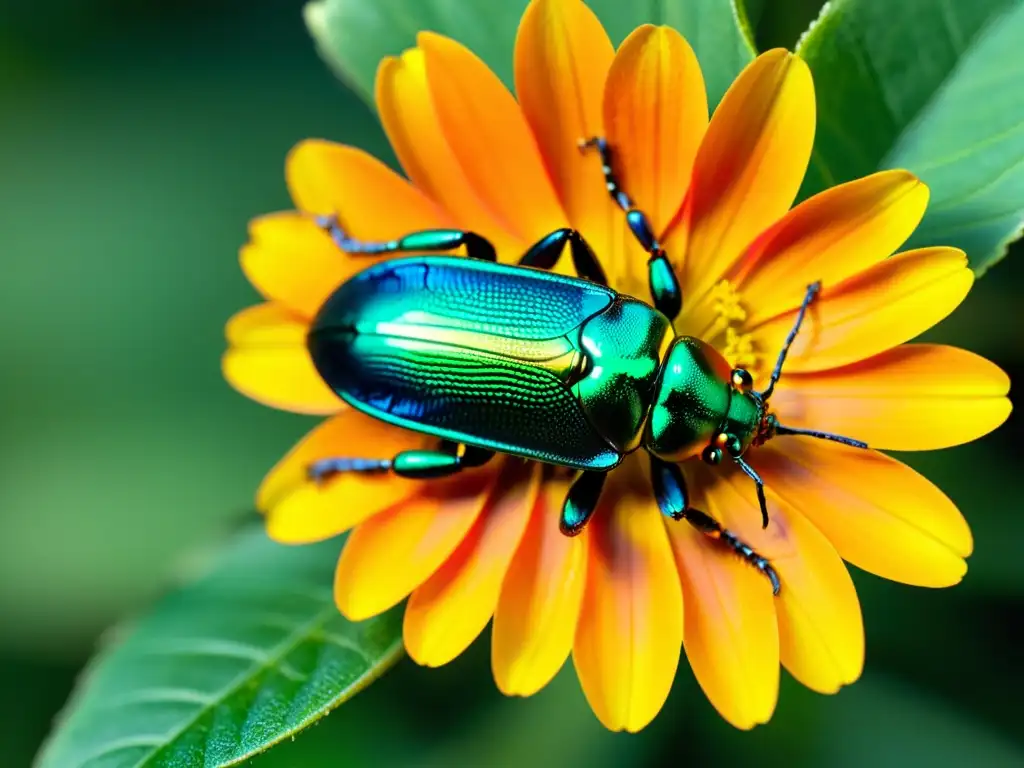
(447, 612)
(748, 168)
(490, 138)
(914, 397)
(411, 123)
(267, 324)
(293, 262)
(268, 361)
(392, 553)
(300, 511)
(631, 623)
(878, 309)
(878, 513)
(535, 621)
(656, 112)
(829, 238)
(562, 56)
(731, 636)
(372, 201)
(821, 633)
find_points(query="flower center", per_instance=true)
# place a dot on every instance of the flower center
(726, 332)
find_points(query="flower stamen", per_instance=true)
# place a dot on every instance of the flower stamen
(730, 314)
(739, 349)
(725, 300)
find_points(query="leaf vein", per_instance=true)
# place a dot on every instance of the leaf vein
(159, 696)
(270, 660)
(206, 646)
(346, 644)
(970, 149)
(978, 191)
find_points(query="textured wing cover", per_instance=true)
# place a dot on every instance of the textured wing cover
(464, 294)
(466, 350)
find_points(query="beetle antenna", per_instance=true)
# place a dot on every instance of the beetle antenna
(812, 291)
(782, 430)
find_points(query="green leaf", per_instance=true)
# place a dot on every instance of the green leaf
(718, 30)
(220, 670)
(932, 86)
(354, 35)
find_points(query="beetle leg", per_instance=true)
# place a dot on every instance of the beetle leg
(624, 201)
(664, 285)
(584, 260)
(750, 472)
(581, 502)
(477, 247)
(415, 464)
(673, 500)
(713, 530)
(324, 469)
(545, 252)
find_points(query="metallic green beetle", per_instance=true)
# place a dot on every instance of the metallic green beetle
(518, 360)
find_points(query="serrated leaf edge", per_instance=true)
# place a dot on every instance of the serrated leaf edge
(314, 15)
(739, 15)
(388, 659)
(823, 17)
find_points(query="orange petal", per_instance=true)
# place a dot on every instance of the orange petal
(830, 237)
(412, 126)
(915, 397)
(878, 309)
(268, 361)
(631, 623)
(748, 168)
(878, 513)
(821, 633)
(490, 138)
(372, 201)
(447, 612)
(535, 621)
(300, 511)
(655, 112)
(731, 635)
(562, 56)
(292, 261)
(392, 553)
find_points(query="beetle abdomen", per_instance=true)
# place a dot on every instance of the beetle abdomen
(467, 350)
(463, 394)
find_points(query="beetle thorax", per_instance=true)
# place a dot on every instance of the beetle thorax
(697, 406)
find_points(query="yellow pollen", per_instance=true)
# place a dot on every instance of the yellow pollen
(739, 350)
(738, 347)
(725, 300)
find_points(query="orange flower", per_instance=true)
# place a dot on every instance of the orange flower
(634, 587)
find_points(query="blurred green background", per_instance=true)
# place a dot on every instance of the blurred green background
(136, 141)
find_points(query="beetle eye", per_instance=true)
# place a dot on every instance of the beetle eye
(712, 455)
(742, 380)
